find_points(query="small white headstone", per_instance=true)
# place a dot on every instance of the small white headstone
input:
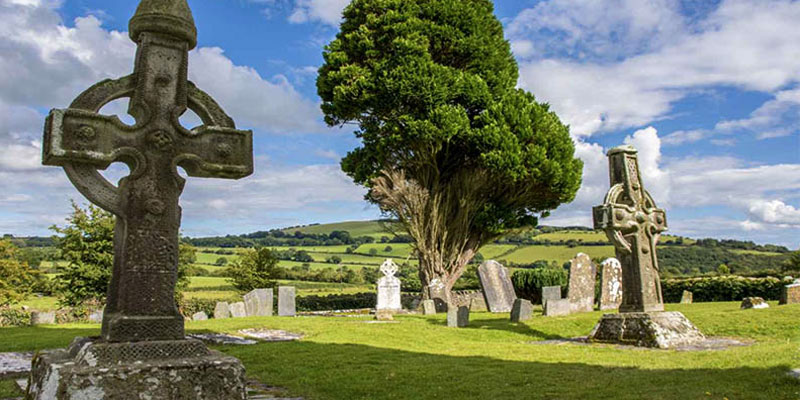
(389, 287)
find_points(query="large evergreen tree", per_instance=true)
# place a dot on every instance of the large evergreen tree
(449, 147)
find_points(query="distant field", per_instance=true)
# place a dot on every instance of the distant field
(560, 254)
(756, 252)
(356, 228)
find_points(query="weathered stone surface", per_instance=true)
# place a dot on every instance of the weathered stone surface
(557, 308)
(15, 364)
(550, 293)
(389, 288)
(43, 317)
(633, 223)
(610, 284)
(754, 302)
(222, 310)
(498, 291)
(687, 297)
(428, 307)
(200, 316)
(286, 301)
(439, 294)
(522, 310)
(663, 330)
(477, 304)
(271, 335)
(582, 274)
(384, 315)
(238, 310)
(258, 303)
(790, 294)
(220, 338)
(457, 316)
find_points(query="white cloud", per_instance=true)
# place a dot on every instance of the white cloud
(775, 118)
(775, 212)
(328, 12)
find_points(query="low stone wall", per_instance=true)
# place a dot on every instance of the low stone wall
(464, 297)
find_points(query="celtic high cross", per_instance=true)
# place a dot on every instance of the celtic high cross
(633, 223)
(141, 304)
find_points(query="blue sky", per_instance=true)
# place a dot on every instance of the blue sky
(709, 91)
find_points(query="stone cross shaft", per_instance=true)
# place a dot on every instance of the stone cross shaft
(141, 304)
(633, 223)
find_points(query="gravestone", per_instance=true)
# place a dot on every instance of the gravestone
(457, 316)
(222, 310)
(557, 308)
(550, 293)
(581, 284)
(498, 291)
(142, 333)
(238, 310)
(428, 307)
(43, 317)
(610, 284)
(754, 302)
(388, 288)
(790, 294)
(439, 294)
(633, 223)
(286, 301)
(200, 316)
(96, 317)
(522, 310)
(687, 297)
(477, 304)
(258, 303)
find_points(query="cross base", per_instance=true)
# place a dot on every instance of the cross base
(93, 369)
(133, 328)
(663, 330)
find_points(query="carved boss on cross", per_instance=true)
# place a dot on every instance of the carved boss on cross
(633, 223)
(141, 302)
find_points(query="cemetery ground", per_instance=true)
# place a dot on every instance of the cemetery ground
(418, 357)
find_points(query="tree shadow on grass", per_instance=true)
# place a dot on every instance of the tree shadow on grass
(34, 338)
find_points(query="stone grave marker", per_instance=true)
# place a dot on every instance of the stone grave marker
(43, 317)
(557, 308)
(610, 284)
(498, 291)
(200, 316)
(222, 310)
(96, 317)
(522, 310)
(286, 301)
(790, 294)
(428, 307)
(687, 297)
(258, 303)
(550, 293)
(439, 294)
(581, 284)
(457, 316)
(388, 288)
(754, 302)
(238, 310)
(142, 333)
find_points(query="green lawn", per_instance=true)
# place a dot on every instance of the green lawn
(559, 254)
(355, 228)
(420, 358)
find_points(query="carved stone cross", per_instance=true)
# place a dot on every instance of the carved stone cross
(633, 223)
(141, 304)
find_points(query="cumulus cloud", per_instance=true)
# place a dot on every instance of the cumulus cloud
(327, 12)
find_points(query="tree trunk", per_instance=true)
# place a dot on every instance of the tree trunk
(437, 279)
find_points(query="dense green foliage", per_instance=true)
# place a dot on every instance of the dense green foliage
(277, 237)
(792, 263)
(345, 301)
(17, 278)
(723, 288)
(528, 283)
(256, 269)
(699, 259)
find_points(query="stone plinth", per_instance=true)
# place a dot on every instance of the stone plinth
(498, 291)
(557, 308)
(522, 310)
(91, 369)
(384, 315)
(790, 294)
(662, 330)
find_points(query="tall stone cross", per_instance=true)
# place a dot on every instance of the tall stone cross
(633, 223)
(141, 304)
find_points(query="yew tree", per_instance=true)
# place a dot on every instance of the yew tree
(449, 146)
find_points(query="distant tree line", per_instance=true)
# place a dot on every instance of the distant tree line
(276, 237)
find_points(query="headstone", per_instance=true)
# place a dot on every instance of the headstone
(142, 333)
(687, 297)
(550, 293)
(286, 301)
(754, 302)
(557, 308)
(477, 304)
(633, 223)
(96, 317)
(790, 294)
(498, 291)
(222, 310)
(388, 288)
(610, 284)
(428, 307)
(581, 284)
(258, 303)
(43, 317)
(437, 291)
(457, 317)
(200, 316)
(238, 310)
(522, 310)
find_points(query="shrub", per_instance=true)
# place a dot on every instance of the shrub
(528, 283)
(257, 268)
(723, 288)
(190, 306)
(14, 317)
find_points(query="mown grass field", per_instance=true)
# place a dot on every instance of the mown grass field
(420, 358)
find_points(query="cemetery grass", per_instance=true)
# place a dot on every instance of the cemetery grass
(420, 358)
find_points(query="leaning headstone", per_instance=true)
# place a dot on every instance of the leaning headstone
(522, 310)
(557, 308)
(428, 307)
(550, 293)
(581, 284)
(388, 288)
(258, 303)
(142, 335)
(43, 317)
(687, 297)
(633, 223)
(610, 284)
(498, 291)
(790, 294)
(754, 302)
(222, 310)
(200, 316)
(286, 301)
(457, 317)
(238, 310)
(477, 304)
